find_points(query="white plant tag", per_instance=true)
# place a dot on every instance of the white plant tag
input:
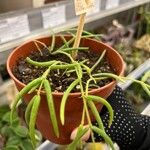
(54, 16)
(19, 26)
(112, 4)
(13, 28)
(96, 8)
(4, 31)
(83, 6)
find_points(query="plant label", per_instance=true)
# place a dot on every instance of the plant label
(13, 28)
(4, 31)
(96, 8)
(54, 16)
(112, 4)
(83, 6)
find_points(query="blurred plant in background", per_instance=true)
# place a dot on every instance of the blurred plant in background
(14, 136)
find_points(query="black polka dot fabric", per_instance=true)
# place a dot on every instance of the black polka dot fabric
(129, 130)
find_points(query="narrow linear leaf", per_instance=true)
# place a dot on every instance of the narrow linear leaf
(104, 102)
(145, 88)
(84, 32)
(88, 70)
(79, 71)
(53, 43)
(104, 135)
(64, 40)
(51, 107)
(25, 90)
(64, 99)
(64, 66)
(70, 49)
(28, 109)
(68, 43)
(43, 44)
(33, 89)
(40, 64)
(99, 60)
(80, 133)
(96, 36)
(146, 76)
(119, 78)
(33, 116)
(87, 86)
(96, 114)
(71, 34)
(65, 53)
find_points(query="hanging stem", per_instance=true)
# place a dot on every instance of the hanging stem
(78, 35)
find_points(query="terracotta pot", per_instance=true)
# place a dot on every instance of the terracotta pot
(74, 106)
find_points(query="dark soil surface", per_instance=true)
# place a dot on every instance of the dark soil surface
(60, 79)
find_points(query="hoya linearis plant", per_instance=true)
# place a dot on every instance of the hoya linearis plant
(80, 68)
(42, 83)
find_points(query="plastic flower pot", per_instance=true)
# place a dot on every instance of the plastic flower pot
(74, 106)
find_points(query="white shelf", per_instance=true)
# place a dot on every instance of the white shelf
(36, 21)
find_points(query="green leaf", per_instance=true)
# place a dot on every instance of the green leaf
(7, 131)
(1, 125)
(16, 122)
(145, 88)
(53, 43)
(104, 102)
(11, 147)
(3, 110)
(25, 90)
(13, 140)
(33, 117)
(51, 107)
(104, 135)
(38, 136)
(64, 99)
(146, 76)
(28, 110)
(81, 131)
(96, 114)
(27, 145)
(21, 131)
(6, 117)
(99, 60)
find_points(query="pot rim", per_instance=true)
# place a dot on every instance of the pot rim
(61, 93)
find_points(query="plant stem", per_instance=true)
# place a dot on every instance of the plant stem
(86, 110)
(53, 43)
(78, 35)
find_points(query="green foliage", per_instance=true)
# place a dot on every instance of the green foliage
(51, 106)
(81, 131)
(80, 68)
(145, 17)
(16, 136)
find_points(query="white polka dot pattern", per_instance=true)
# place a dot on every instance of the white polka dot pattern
(129, 128)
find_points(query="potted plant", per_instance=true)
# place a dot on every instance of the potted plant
(65, 79)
